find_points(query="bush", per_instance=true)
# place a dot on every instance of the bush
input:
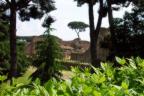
(127, 80)
(48, 51)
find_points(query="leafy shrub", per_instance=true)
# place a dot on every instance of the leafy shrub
(127, 80)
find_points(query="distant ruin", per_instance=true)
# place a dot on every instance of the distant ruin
(102, 53)
(73, 50)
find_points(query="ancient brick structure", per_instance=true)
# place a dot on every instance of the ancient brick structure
(75, 49)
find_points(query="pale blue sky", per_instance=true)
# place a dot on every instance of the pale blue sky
(66, 12)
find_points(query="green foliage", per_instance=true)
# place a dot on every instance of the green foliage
(29, 8)
(23, 61)
(121, 61)
(4, 46)
(127, 80)
(48, 21)
(129, 33)
(3, 29)
(47, 53)
(78, 27)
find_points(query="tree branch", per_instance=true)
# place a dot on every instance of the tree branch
(9, 3)
(20, 6)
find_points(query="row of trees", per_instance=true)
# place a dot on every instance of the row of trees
(105, 7)
(129, 34)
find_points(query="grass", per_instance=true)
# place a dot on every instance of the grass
(75, 62)
(25, 79)
(67, 74)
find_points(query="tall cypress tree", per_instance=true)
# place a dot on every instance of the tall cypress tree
(47, 53)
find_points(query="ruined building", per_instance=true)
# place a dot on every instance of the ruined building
(75, 49)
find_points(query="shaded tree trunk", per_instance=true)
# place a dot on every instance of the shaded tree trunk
(110, 19)
(13, 66)
(78, 35)
(97, 30)
(92, 34)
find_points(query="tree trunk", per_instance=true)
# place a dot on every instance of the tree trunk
(110, 18)
(97, 30)
(77, 32)
(92, 35)
(13, 66)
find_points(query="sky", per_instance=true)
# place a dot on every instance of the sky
(66, 12)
